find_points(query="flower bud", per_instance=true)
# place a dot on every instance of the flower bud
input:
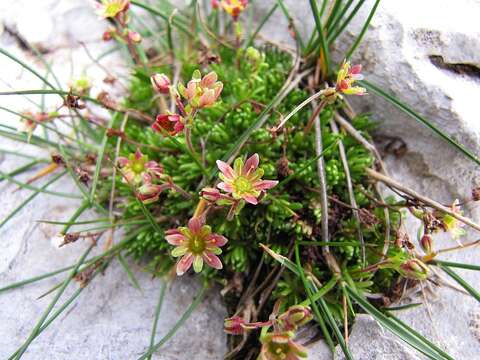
(210, 194)
(161, 83)
(215, 4)
(149, 193)
(295, 317)
(414, 269)
(476, 194)
(170, 123)
(134, 37)
(426, 242)
(253, 55)
(234, 325)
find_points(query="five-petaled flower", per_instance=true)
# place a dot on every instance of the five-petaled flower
(244, 181)
(173, 124)
(280, 346)
(346, 78)
(112, 8)
(136, 169)
(201, 92)
(195, 244)
(234, 7)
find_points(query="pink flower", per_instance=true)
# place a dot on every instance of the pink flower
(280, 346)
(112, 8)
(171, 123)
(215, 4)
(234, 7)
(137, 169)
(202, 93)
(195, 244)
(161, 83)
(244, 180)
(346, 77)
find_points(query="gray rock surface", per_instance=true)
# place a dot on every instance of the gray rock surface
(112, 320)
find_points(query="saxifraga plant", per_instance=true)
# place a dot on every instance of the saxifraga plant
(243, 163)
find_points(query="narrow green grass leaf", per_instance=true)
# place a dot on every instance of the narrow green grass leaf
(334, 36)
(49, 308)
(321, 36)
(80, 210)
(359, 38)
(374, 89)
(313, 303)
(23, 185)
(30, 198)
(21, 169)
(114, 249)
(131, 276)
(26, 67)
(461, 282)
(158, 308)
(98, 166)
(456, 265)
(401, 330)
(176, 22)
(260, 26)
(285, 11)
(198, 299)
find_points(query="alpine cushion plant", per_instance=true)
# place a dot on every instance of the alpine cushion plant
(195, 244)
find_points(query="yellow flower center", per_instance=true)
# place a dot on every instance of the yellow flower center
(279, 350)
(242, 185)
(138, 167)
(196, 245)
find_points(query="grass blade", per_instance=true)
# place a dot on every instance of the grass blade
(400, 329)
(350, 17)
(374, 89)
(198, 299)
(158, 308)
(456, 265)
(359, 38)
(461, 282)
(260, 26)
(27, 67)
(321, 36)
(49, 308)
(30, 198)
(128, 270)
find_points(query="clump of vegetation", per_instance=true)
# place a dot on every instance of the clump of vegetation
(245, 165)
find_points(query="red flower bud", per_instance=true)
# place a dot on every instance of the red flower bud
(426, 243)
(234, 325)
(161, 83)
